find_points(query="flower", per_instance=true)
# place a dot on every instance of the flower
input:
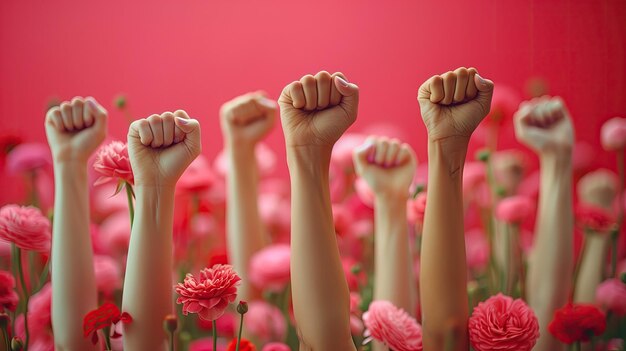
(244, 345)
(514, 209)
(275, 346)
(108, 276)
(205, 344)
(39, 316)
(269, 268)
(501, 323)
(611, 294)
(197, 177)
(594, 218)
(113, 162)
(28, 157)
(613, 134)
(103, 317)
(577, 322)
(343, 150)
(477, 248)
(209, 294)
(415, 208)
(27, 227)
(8, 295)
(170, 323)
(265, 321)
(392, 326)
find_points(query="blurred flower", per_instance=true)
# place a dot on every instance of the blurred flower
(514, 209)
(504, 103)
(113, 162)
(39, 316)
(473, 174)
(269, 268)
(509, 167)
(343, 150)
(217, 256)
(209, 294)
(225, 325)
(28, 157)
(613, 134)
(415, 208)
(27, 227)
(265, 322)
(244, 345)
(107, 272)
(611, 295)
(114, 234)
(354, 275)
(265, 159)
(501, 323)
(342, 219)
(8, 295)
(392, 326)
(594, 218)
(356, 325)
(577, 322)
(8, 141)
(197, 177)
(615, 345)
(205, 344)
(477, 248)
(275, 346)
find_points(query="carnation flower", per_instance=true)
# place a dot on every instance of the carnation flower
(244, 345)
(611, 294)
(275, 346)
(113, 162)
(209, 294)
(269, 268)
(102, 317)
(265, 322)
(577, 322)
(514, 209)
(613, 134)
(594, 218)
(392, 326)
(27, 227)
(8, 295)
(501, 323)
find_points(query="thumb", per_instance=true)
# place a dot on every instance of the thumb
(485, 90)
(362, 155)
(349, 92)
(191, 128)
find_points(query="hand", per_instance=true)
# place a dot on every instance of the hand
(246, 119)
(316, 111)
(387, 166)
(544, 125)
(598, 188)
(162, 146)
(75, 129)
(454, 103)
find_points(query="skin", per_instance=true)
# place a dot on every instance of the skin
(315, 112)
(245, 121)
(74, 130)
(452, 106)
(545, 126)
(160, 149)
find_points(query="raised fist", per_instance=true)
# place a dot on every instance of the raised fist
(454, 103)
(598, 188)
(388, 166)
(247, 118)
(75, 129)
(544, 124)
(317, 110)
(162, 146)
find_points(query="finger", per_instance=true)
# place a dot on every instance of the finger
(485, 91)
(381, 151)
(168, 128)
(462, 77)
(179, 135)
(362, 154)
(309, 86)
(88, 112)
(268, 108)
(324, 87)
(97, 112)
(349, 92)
(142, 128)
(66, 112)
(156, 125)
(55, 119)
(471, 90)
(392, 153)
(335, 95)
(449, 87)
(77, 113)
(297, 95)
(405, 155)
(433, 89)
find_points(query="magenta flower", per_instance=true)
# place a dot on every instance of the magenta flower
(611, 294)
(28, 157)
(269, 268)
(113, 162)
(613, 134)
(392, 326)
(27, 227)
(8, 295)
(514, 209)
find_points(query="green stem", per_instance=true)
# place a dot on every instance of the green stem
(31, 269)
(214, 335)
(240, 329)
(171, 341)
(131, 207)
(107, 339)
(43, 277)
(18, 254)
(5, 335)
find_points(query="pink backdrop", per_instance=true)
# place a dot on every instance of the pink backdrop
(196, 54)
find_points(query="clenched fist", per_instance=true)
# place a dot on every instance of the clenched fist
(599, 188)
(454, 103)
(544, 125)
(162, 146)
(317, 110)
(75, 129)
(246, 119)
(388, 166)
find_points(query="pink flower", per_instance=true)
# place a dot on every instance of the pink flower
(356, 325)
(613, 134)
(514, 209)
(343, 220)
(611, 294)
(392, 326)
(275, 346)
(504, 103)
(501, 323)
(269, 268)
(477, 249)
(206, 344)
(210, 293)
(265, 159)
(594, 218)
(343, 149)
(197, 177)
(108, 277)
(473, 174)
(114, 233)
(8, 295)
(265, 322)
(39, 315)
(113, 163)
(415, 208)
(26, 227)
(28, 157)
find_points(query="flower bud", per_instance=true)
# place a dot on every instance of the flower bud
(17, 344)
(242, 308)
(170, 323)
(120, 102)
(483, 155)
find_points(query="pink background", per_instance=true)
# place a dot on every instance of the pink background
(194, 55)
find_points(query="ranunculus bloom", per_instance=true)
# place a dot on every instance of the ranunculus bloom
(28, 157)
(501, 323)
(611, 294)
(514, 209)
(392, 326)
(577, 322)
(244, 345)
(107, 272)
(8, 295)
(415, 208)
(613, 134)
(113, 163)
(269, 268)
(265, 322)
(594, 218)
(209, 294)
(275, 346)
(27, 227)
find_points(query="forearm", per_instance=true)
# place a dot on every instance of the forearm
(590, 273)
(319, 288)
(443, 266)
(74, 291)
(394, 278)
(148, 284)
(245, 234)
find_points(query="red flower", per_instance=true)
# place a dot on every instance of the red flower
(594, 218)
(392, 326)
(244, 345)
(27, 227)
(8, 296)
(103, 317)
(209, 294)
(577, 322)
(113, 163)
(501, 323)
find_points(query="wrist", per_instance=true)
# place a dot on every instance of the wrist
(448, 153)
(560, 160)
(240, 150)
(392, 195)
